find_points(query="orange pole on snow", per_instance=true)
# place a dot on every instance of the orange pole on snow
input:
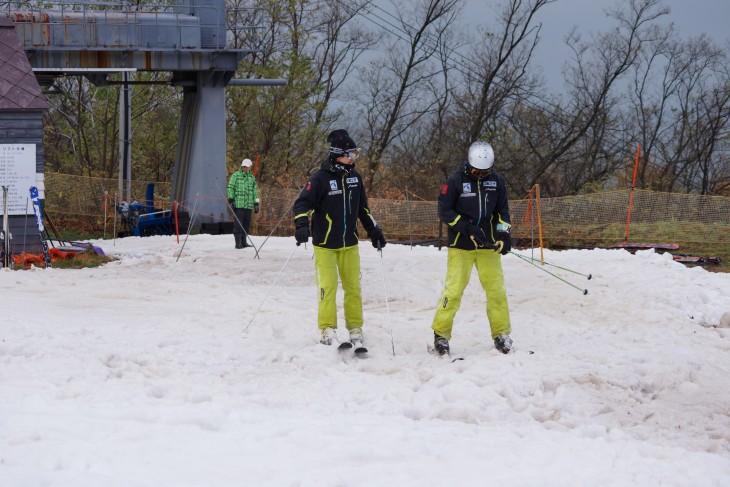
(539, 221)
(631, 196)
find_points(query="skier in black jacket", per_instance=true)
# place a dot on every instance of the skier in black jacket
(335, 195)
(473, 203)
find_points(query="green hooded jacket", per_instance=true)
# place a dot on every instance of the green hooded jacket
(243, 189)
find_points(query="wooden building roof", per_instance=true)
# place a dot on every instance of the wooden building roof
(19, 88)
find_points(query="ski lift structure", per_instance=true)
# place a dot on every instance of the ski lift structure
(107, 42)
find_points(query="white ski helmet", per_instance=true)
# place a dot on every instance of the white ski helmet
(481, 155)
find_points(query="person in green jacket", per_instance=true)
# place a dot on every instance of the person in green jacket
(243, 198)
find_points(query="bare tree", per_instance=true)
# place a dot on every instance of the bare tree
(422, 159)
(587, 127)
(396, 92)
(82, 128)
(654, 86)
(494, 81)
(698, 120)
(501, 60)
(709, 131)
(315, 46)
(340, 41)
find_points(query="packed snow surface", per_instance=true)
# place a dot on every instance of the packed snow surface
(199, 365)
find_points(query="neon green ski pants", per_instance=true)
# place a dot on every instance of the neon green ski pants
(458, 272)
(328, 263)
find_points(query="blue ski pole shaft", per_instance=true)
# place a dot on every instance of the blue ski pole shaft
(588, 276)
(585, 291)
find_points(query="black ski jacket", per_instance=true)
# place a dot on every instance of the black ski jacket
(465, 199)
(338, 200)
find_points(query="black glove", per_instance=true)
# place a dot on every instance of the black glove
(476, 235)
(255, 207)
(506, 241)
(377, 238)
(302, 231)
(232, 203)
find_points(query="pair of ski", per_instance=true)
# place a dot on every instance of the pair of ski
(356, 346)
(433, 351)
(448, 356)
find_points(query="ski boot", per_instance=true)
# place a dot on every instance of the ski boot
(356, 343)
(503, 343)
(356, 337)
(329, 336)
(440, 344)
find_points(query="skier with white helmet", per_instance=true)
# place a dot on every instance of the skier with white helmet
(473, 203)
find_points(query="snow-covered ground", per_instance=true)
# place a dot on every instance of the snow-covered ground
(142, 373)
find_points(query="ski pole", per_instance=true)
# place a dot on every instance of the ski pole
(589, 276)
(249, 239)
(190, 225)
(585, 291)
(283, 215)
(385, 293)
(273, 284)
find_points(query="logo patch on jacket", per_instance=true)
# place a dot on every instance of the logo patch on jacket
(444, 188)
(351, 180)
(490, 184)
(467, 188)
(333, 184)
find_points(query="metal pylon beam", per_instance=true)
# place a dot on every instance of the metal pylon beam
(186, 39)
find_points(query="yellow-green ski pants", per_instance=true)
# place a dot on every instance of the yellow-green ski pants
(328, 263)
(458, 272)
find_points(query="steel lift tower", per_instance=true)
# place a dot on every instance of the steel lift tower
(186, 38)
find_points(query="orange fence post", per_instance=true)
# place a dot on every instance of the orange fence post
(539, 221)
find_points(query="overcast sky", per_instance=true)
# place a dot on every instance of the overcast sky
(692, 17)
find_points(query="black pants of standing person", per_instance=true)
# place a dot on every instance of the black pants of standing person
(242, 227)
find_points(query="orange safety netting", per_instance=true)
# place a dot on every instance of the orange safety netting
(28, 259)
